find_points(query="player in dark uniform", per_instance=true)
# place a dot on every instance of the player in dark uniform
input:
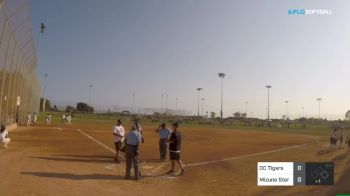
(175, 149)
(333, 138)
(341, 135)
(348, 141)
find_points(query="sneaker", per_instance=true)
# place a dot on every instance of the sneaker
(170, 172)
(182, 172)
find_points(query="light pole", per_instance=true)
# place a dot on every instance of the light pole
(268, 104)
(246, 108)
(176, 106)
(203, 99)
(162, 103)
(42, 30)
(199, 90)
(166, 104)
(303, 111)
(44, 97)
(222, 76)
(90, 87)
(286, 109)
(133, 102)
(319, 107)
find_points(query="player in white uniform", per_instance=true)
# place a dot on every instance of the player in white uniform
(69, 119)
(35, 118)
(4, 138)
(29, 119)
(64, 119)
(119, 133)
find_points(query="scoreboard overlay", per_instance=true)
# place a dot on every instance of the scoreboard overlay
(295, 173)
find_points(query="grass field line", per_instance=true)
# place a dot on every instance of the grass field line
(95, 140)
(248, 155)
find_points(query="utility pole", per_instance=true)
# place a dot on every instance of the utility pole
(286, 109)
(198, 89)
(319, 107)
(44, 93)
(268, 104)
(222, 76)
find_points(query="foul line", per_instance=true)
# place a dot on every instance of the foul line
(95, 140)
(249, 155)
(205, 162)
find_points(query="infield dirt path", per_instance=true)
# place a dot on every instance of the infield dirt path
(63, 161)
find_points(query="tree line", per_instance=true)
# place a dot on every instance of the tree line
(81, 107)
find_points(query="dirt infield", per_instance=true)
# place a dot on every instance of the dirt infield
(59, 160)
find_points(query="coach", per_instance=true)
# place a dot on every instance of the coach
(164, 133)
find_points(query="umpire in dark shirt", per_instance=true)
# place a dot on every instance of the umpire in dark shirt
(175, 149)
(133, 140)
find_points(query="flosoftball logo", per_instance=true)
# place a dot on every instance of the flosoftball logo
(310, 12)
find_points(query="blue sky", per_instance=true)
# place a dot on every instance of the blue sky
(161, 46)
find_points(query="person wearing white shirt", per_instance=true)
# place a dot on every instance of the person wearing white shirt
(35, 118)
(69, 119)
(29, 119)
(64, 119)
(119, 133)
(4, 136)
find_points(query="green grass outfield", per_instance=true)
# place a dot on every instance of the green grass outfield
(109, 120)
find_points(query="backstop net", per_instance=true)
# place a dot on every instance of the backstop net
(20, 88)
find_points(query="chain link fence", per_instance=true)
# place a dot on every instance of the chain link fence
(20, 88)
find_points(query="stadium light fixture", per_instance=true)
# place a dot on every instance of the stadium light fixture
(198, 89)
(222, 76)
(42, 27)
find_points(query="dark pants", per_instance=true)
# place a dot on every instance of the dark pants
(131, 157)
(118, 146)
(163, 147)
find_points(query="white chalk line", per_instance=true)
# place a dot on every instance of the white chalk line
(205, 162)
(248, 155)
(156, 169)
(110, 167)
(95, 140)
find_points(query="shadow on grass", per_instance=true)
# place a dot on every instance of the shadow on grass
(71, 176)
